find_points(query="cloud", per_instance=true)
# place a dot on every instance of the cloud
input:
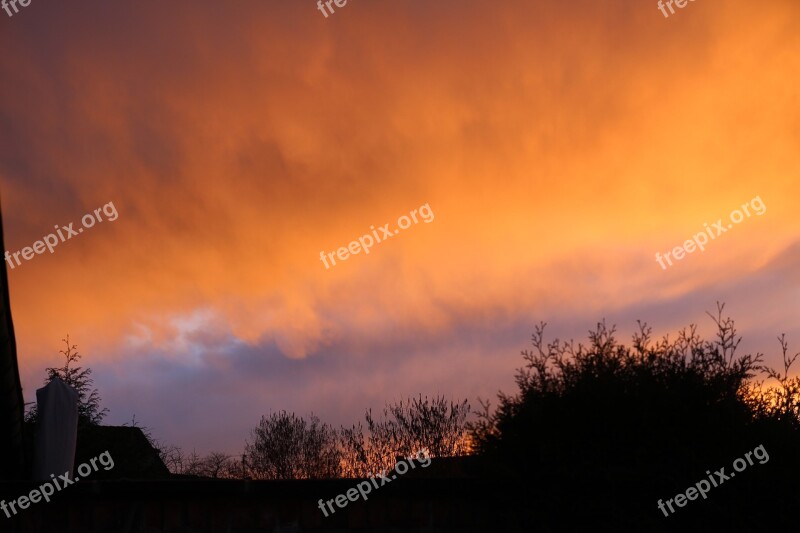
(559, 145)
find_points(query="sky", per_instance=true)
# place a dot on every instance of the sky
(554, 148)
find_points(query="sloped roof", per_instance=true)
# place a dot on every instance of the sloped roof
(134, 457)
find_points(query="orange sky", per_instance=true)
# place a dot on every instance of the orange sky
(559, 148)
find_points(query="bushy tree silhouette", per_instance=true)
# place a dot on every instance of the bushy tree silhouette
(601, 432)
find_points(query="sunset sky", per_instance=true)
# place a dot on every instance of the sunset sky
(559, 145)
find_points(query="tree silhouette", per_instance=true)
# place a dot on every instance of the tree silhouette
(89, 411)
(289, 447)
(601, 432)
(406, 428)
(216, 465)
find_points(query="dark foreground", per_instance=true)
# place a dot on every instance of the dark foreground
(232, 506)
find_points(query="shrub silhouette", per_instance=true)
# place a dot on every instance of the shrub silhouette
(600, 432)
